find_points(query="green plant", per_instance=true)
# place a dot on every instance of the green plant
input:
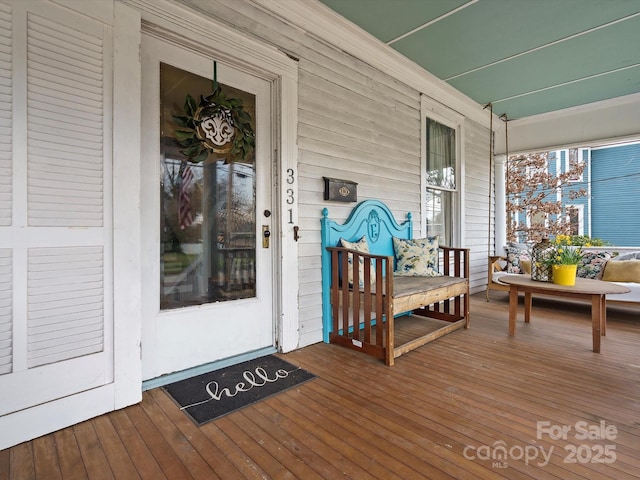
(564, 255)
(579, 240)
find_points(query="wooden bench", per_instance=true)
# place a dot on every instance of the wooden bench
(350, 316)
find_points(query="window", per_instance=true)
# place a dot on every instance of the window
(537, 220)
(208, 219)
(538, 168)
(574, 159)
(441, 184)
(575, 218)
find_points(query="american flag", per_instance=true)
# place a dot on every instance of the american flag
(184, 201)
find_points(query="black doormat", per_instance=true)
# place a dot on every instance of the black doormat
(211, 395)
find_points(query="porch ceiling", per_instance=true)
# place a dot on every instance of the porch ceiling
(526, 57)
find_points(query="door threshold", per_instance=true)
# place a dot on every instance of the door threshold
(206, 368)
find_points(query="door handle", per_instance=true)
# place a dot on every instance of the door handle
(265, 236)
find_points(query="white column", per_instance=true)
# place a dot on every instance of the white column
(127, 267)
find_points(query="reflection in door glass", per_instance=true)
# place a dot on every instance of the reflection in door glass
(207, 217)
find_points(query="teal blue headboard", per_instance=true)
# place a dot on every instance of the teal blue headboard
(371, 218)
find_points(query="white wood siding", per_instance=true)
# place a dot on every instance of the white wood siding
(477, 217)
(360, 124)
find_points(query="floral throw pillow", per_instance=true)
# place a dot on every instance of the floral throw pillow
(515, 259)
(417, 257)
(592, 265)
(359, 246)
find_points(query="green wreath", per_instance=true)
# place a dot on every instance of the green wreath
(192, 137)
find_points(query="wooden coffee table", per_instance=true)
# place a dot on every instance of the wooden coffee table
(594, 290)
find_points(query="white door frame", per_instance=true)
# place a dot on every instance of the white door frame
(190, 29)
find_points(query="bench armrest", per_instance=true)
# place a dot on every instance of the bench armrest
(495, 263)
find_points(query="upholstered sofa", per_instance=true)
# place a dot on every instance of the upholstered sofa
(624, 269)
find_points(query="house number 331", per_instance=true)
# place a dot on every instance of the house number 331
(290, 192)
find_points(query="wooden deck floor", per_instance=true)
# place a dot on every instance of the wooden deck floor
(441, 412)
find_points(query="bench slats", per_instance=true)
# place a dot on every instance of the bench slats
(356, 311)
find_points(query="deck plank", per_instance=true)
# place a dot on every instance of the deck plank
(181, 444)
(45, 458)
(69, 456)
(362, 419)
(142, 458)
(5, 463)
(169, 462)
(116, 452)
(22, 464)
(211, 451)
(93, 456)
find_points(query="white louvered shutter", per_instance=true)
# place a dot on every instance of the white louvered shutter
(5, 115)
(6, 293)
(55, 247)
(65, 125)
(6, 197)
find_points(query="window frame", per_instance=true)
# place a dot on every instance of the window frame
(435, 111)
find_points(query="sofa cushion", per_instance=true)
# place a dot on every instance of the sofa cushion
(515, 258)
(622, 271)
(592, 264)
(627, 256)
(359, 246)
(417, 257)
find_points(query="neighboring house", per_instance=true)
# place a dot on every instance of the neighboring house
(97, 301)
(615, 194)
(575, 208)
(608, 210)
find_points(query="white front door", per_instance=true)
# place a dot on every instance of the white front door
(207, 213)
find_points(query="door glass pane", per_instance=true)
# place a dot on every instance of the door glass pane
(208, 209)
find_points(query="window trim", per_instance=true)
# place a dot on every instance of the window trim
(429, 108)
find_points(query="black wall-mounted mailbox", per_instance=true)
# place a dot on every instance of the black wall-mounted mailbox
(340, 190)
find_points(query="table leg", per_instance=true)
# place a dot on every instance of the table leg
(513, 308)
(596, 321)
(603, 307)
(527, 306)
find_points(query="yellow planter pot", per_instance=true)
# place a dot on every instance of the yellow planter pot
(564, 274)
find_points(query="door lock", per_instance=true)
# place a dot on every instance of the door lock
(265, 236)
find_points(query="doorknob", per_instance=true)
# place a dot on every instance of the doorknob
(265, 236)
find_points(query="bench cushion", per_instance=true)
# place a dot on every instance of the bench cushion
(622, 271)
(592, 264)
(359, 246)
(515, 258)
(416, 257)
